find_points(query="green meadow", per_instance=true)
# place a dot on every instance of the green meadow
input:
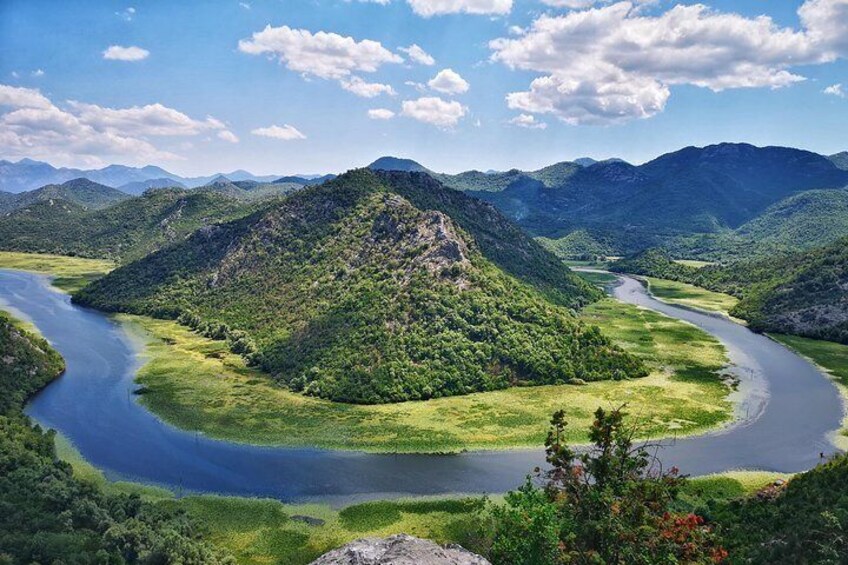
(70, 273)
(195, 383)
(690, 295)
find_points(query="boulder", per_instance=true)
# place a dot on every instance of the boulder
(399, 549)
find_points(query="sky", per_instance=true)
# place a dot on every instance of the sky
(315, 86)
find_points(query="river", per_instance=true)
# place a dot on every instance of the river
(790, 410)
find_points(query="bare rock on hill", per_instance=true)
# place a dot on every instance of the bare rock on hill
(400, 549)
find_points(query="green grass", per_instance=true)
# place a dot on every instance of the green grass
(196, 383)
(693, 263)
(690, 295)
(832, 358)
(599, 279)
(70, 273)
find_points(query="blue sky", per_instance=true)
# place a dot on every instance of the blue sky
(612, 79)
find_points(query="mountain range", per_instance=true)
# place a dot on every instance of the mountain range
(27, 174)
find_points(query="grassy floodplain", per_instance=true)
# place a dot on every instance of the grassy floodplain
(70, 273)
(196, 383)
(832, 358)
(263, 531)
(690, 295)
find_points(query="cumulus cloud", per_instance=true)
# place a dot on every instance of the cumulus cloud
(418, 55)
(527, 121)
(433, 110)
(126, 15)
(429, 8)
(381, 114)
(228, 136)
(322, 54)
(75, 133)
(612, 63)
(366, 89)
(38, 73)
(119, 53)
(835, 90)
(449, 82)
(284, 132)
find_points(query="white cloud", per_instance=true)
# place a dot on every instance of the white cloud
(366, 89)
(449, 82)
(428, 8)
(322, 54)
(119, 53)
(527, 121)
(284, 132)
(380, 114)
(433, 110)
(38, 73)
(835, 90)
(152, 119)
(245, 5)
(18, 97)
(228, 136)
(35, 127)
(613, 63)
(79, 134)
(418, 55)
(126, 15)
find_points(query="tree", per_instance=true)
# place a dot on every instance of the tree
(610, 503)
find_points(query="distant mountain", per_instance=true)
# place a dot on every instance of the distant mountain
(397, 164)
(127, 230)
(373, 288)
(138, 187)
(83, 192)
(28, 174)
(840, 160)
(810, 219)
(694, 190)
(304, 180)
(585, 161)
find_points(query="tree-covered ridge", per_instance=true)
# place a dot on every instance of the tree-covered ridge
(48, 516)
(807, 220)
(125, 231)
(801, 293)
(80, 191)
(364, 290)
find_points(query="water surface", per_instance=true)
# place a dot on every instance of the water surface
(791, 409)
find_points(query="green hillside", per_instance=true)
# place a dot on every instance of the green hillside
(376, 287)
(83, 192)
(807, 220)
(579, 244)
(801, 293)
(840, 160)
(125, 231)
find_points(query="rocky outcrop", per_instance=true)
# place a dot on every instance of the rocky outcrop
(400, 549)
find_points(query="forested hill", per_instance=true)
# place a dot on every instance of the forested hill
(376, 287)
(694, 190)
(125, 231)
(83, 192)
(802, 293)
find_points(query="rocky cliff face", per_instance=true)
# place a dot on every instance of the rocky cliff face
(400, 549)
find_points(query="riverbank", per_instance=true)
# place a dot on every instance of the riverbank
(196, 384)
(68, 273)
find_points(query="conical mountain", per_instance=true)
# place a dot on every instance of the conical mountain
(376, 287)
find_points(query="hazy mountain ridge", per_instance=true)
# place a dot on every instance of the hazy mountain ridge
(82, 192)
(364, 289)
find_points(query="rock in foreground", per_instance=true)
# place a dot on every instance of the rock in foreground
(400, 549)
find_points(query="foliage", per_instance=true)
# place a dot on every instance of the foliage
(80, 192)
(805, 522)
(48, 516)
(801, 293)
(577, 245)
(609, 504)
(123, 232)
(362, 290)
